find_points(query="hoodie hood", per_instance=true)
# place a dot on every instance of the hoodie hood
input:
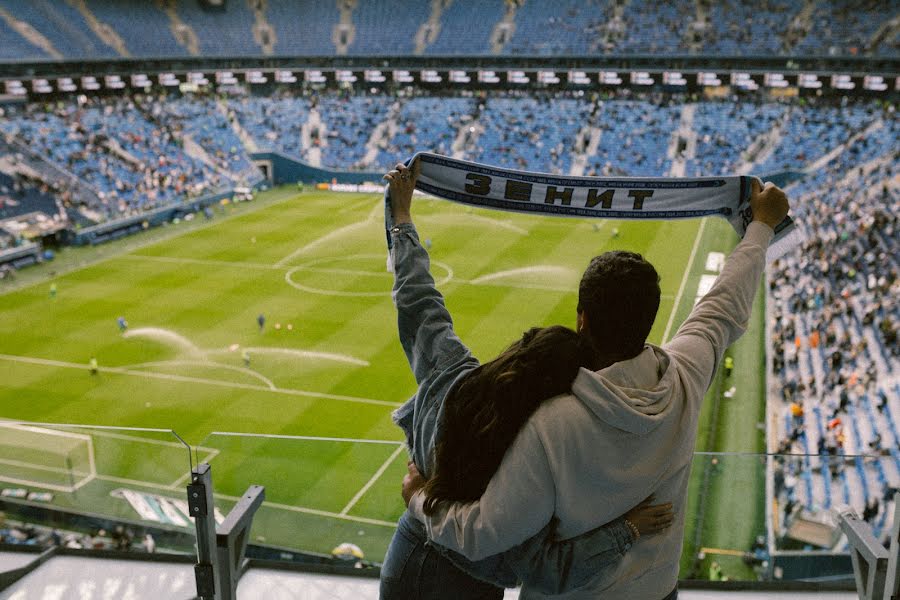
(633, 395)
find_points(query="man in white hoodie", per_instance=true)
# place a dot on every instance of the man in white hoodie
(627, 430)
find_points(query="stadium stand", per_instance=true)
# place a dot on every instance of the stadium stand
(161, 148)
(347, 122)
(650, 27)
(374, 19)
(466, 28)
(202, 121)
(144, 28)
(63, 25)
(220, 32)
(846, 27)
(19, 196)
(529, 133)
(635, 138)
(273, 123)
(561, 28)
(133, 163)
(14, 46)
(303, 28)
(426, 124)
(745, 27)
(725, 130)
(100, 28)
(835, 358)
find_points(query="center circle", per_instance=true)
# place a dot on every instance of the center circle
(318, 265)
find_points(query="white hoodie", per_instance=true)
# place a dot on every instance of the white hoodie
(625, 432)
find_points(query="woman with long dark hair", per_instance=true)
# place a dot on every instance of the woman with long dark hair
(463, 418)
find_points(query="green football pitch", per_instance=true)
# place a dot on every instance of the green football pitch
(326, 366)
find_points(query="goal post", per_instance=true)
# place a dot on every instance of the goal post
(46, 458)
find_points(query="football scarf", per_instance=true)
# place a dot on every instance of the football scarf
(652, 198)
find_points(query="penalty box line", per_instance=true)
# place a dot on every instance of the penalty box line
(373, 479)
(201, 380)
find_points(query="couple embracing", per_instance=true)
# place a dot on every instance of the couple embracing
(544, 466)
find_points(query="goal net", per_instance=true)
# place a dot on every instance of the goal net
(41, 457)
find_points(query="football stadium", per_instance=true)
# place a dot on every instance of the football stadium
(193, 272)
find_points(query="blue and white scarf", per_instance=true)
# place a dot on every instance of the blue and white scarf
(653, 198)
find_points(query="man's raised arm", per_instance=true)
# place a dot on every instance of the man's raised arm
(721, 316)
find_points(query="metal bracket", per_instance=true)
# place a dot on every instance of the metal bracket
(875, 569)
(232, 537)
(220, 549)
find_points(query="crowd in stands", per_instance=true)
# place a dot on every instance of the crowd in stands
(426, 124)
(106, 28)
(202, 121)
(120, 538)
(347, 123)
(835, 356)
(725, 131)
(274, 123)
(134, 152)
(635, 138)
(842, 27)
(530, 133)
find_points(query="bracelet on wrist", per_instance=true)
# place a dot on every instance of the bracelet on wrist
(634, 530)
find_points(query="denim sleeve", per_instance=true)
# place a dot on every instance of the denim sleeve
(426, 329)
(550, 566)
(553, 566)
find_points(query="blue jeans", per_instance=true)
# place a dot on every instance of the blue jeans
(413, 570)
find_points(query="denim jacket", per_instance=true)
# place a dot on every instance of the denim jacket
(439, 359)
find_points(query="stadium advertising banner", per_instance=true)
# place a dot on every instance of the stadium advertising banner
(779, 83)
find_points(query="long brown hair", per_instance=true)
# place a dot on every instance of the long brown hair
(485, 411)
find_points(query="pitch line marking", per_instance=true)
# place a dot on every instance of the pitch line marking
(469, 219)
(311, 266)
(208, 363)
(373, 214)
(199, 261)
(186, 379)
(144, 243)
(361, 273)
(160, 486)
(306, 438)
(178, 483)
(374, 478)
(133, 438)
(298, 509)
(345, 358)
(137, 482)
(684, 278)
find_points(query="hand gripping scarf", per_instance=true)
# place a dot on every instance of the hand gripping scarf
(652, 198)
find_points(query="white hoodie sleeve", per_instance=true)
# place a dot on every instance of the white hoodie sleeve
(721, 316)
(518, 502)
